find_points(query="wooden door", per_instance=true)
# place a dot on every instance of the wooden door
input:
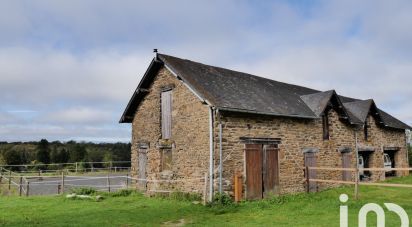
(254, 186)
(346, 163)
(270, 170)
(141, 173)
(310, 161)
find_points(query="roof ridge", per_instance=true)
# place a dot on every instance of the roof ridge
(245, 73)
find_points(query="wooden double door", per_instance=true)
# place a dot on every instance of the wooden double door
(262, 170)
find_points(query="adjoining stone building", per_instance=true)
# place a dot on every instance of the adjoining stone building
(190, 119)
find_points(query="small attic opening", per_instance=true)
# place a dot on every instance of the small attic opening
(325, 125)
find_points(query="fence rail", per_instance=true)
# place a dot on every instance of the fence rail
(357, 182)
(63, 181)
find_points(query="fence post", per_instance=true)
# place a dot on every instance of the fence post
(9, 180)
(39, 174)
(20, 185)
(238, 186)
(27, 188)
(357, 181)
(307, 178)
(62, 189)
(76, 167)
(127, 180)
(108, 181)
(205, 190)
(1, 174)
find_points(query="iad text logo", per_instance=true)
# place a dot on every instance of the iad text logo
(372, 207)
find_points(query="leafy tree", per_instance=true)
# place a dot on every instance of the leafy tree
(63, 156)
(94, 155)
(43, 151)
(12, 157)
(77, 153)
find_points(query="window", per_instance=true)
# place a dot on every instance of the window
(166, 159)
(325, 124)
(166, 114)
(365, 130)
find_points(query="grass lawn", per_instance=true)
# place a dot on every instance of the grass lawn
(320, 209)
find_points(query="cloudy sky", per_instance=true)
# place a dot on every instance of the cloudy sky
(68, 68)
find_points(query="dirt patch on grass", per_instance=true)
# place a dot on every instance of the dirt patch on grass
(176, 223)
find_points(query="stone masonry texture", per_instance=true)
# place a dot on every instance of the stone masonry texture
(189, 143)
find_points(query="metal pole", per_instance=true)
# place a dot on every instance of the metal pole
(357, 167)
(220, 157)
(211, 154)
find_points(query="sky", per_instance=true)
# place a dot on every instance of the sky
(69, 68)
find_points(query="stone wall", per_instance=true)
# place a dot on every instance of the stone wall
(189, 141)
(296, 135)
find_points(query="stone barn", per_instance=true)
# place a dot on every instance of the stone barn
(190, 119)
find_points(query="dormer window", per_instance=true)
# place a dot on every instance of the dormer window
(325, 124)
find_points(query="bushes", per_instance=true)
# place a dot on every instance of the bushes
(221, 199)
(84, 191)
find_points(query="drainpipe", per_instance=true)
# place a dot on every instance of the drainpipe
(357, 165)
(211, 164)
(408, 140)
(220, 155)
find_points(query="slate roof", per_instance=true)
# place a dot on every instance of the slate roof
(359, 108)
(229, 90)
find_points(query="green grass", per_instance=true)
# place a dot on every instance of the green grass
(319, 209)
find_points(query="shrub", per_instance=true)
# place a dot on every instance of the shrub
(122, 193)
(221, 199)
(84, 191)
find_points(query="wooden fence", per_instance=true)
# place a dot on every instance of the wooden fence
(356, 182)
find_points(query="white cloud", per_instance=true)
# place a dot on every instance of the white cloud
(78, 62)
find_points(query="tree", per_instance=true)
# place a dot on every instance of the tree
(54, 155)
(43, 151)
(77, 153)
(12, 157)
(63, 156)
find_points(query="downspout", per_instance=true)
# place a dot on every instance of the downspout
(408, 140)
(220, 154)
(357, 165)
(211, 164)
